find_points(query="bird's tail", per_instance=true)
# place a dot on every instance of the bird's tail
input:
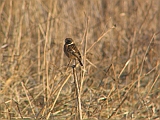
(80, 62)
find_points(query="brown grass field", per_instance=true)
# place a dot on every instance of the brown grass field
(119, 41)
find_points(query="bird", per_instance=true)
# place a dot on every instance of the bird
(72, 51)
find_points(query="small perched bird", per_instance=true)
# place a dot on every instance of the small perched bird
(71, 50)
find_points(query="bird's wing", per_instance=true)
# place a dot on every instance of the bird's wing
(73, 49)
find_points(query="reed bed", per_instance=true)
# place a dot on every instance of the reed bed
(119, 41)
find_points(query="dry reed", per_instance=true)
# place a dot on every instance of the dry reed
(120, 78)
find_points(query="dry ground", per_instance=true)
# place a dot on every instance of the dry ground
(119, 41)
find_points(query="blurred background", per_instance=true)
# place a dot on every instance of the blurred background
(119, 41)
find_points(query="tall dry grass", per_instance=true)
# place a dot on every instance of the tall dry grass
(119, 41)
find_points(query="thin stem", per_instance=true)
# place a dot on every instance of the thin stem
(77, 92)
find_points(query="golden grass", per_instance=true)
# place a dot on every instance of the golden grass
(119, 42)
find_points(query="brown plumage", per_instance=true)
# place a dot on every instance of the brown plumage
(71, 50)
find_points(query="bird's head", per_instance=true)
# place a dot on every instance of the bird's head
(68, 41)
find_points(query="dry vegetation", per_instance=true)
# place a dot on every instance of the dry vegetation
(120, 44)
